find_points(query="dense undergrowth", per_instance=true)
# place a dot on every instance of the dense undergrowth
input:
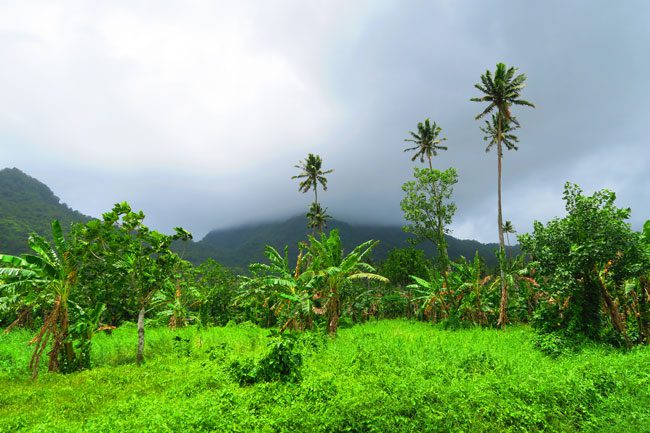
(396, 376)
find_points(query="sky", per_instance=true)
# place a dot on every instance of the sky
(197, 112)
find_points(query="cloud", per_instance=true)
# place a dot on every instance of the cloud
(196, 112)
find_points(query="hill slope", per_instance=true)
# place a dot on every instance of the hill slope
(237, 247)
(26, 206)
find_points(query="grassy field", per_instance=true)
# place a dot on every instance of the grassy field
(388, 376)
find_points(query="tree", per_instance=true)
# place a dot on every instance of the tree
(501, 91)
(402, 263)
(427, 143)
(508, 228)
(584, 261)
(312, 175)
(317, 217)
(428, 209)
(140, 258)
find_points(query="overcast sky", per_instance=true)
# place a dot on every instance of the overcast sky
(197, 111)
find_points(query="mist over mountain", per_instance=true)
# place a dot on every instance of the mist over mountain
(28, 205)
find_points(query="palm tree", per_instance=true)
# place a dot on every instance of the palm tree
(427, 143)
(501, 91)
(507, 229)
(312, 175)
(317, 217)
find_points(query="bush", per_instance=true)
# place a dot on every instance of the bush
(280, 363)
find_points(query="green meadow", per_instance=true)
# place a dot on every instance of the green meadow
(381, 376)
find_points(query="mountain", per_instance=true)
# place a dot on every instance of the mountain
(237, 247)
(26, 206)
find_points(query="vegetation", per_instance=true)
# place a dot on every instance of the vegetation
(396, 376)
(428, 209)
(275, 363)
(427, 142)
(593, 269)
(501, 91)
(29, 206)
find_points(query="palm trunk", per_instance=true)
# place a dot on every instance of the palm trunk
(140, 355)
(503, 314)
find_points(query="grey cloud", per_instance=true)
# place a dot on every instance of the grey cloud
(343, 81)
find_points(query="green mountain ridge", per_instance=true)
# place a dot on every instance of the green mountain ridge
(27, 205)
(237, 247)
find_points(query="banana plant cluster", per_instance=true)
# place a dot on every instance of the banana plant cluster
(298, 295)
(469, 294)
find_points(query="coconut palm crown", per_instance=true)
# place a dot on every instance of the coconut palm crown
(501, 91)
(427, 141)
(312, 174)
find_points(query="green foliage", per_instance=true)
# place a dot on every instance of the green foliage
(281, 362)
(427, 207)
(317, 217)
(584, 260)
(395, 376)
(401, 263)
(427, 143)
(29, 206)
(312, 175)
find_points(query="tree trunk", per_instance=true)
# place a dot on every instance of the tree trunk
(503, 314)
(333, 306)
(644, 309)
(140, 355)
(612, 308)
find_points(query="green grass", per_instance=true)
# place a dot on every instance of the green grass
(387, 376)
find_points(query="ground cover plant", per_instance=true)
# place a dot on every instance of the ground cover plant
(396, 375)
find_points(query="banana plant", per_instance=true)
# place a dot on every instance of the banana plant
(332, 270)
(45, 280)
(431, 296)
(285, 292)
(469, 281)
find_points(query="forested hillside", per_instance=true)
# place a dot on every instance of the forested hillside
(27, 205)
(237, 247)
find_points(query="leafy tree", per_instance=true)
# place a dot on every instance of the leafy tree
(584, 261)
(138, 257)
(312, 175)
(427, 141)
(401, 263)
(501, 91)
(428, 209)
(217, 288)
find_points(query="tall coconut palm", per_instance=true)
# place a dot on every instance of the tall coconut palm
(427, 141)
(312, 174)
(501, 91)
(317, 217)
